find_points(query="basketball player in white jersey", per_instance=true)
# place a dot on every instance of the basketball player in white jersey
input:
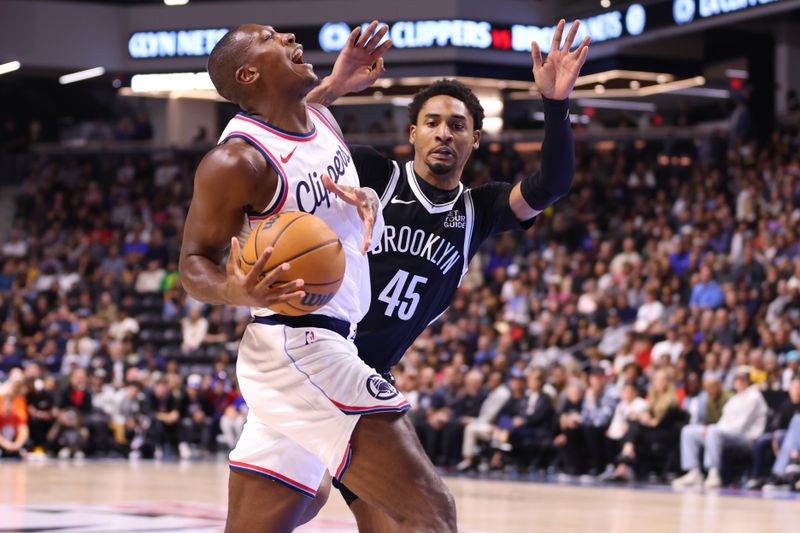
(311, 397)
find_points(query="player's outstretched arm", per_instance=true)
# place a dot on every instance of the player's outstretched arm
(359, 64)
(554, 77)
(223, 187)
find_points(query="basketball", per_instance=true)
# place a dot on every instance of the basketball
(310, 246)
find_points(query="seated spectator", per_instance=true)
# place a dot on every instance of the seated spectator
(770, 442)
(14, 431)
(167, 427)
(466, 408)
(149, 280)
(629, 407)
(194, 327)
(649, 314)
(196, 417)
(652, 433)
(743, 420)
(41, 407)
(786, 470)
(232, 422)
(123, 326)
(706, 292)
(585, 445)
(482, 427)
(68, 437)
(529, 422)
(568, 420)
(670, 346)
(792, 366)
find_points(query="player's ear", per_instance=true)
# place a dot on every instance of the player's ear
(412, 133)
(246, 74)
(476, 139)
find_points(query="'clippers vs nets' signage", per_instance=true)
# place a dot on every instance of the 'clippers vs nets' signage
(633, 20)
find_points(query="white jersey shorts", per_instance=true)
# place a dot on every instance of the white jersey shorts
(306, 389)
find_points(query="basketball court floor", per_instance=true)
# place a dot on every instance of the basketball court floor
(190, 497)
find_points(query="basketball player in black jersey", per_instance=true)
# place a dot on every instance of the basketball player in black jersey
(434, 225)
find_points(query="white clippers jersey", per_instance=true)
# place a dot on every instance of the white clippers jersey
(301, 160)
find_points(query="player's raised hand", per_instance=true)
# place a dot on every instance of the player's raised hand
(360, 62)
(364, 199)
(556, 75)
(256, 288)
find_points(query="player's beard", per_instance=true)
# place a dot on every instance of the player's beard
(440, 169)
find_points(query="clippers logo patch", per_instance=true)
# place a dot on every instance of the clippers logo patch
(380, 388)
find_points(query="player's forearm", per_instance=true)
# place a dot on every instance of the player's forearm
(203, 279)
(554, 180)
(326, 93)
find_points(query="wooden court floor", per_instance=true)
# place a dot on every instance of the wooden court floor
(186, 497)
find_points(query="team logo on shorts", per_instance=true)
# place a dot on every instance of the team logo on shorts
(380, 388)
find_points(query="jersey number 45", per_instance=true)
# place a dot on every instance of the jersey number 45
(401, 294)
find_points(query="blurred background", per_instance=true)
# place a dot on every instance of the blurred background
(668, 277)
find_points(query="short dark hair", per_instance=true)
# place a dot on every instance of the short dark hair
(448, 87)
(223, 61)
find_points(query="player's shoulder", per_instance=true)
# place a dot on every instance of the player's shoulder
(488, 191)
(232, 165)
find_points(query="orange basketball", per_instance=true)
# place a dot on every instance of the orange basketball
(310, 246)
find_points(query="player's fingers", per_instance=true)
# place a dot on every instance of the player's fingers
(536, 55)
(379, 51)
(271, 276)
(557, 36)
(573, 31)
(375, 39)
(584, 44)
(233, 266)
(582, 56)
(258, 268)
(276, 289)
(366, 34)
(338, 191)
(351, 41)
(288, 297)
(378, 70)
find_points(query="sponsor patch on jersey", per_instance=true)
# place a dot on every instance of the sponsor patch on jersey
(455, 219)
(380, 388)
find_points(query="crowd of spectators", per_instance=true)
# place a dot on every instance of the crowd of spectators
(646, 326)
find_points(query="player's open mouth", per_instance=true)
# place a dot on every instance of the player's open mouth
(297, 58)
(443, 152)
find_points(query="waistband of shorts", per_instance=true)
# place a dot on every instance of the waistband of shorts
(342, 327)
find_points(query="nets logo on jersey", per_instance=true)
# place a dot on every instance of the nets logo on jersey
(380, 388)
(455, 220)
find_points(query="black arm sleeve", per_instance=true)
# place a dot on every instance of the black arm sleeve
(374, 169)
(553, 181)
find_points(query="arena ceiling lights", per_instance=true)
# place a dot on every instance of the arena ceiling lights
(81, 75)
(11, 66)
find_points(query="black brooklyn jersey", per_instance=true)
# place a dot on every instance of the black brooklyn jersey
(427, 242)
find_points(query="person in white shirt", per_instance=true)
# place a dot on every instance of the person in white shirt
(650, 313)
(150, 280)
(194, 327)
(627, 255)
(123, 326)
(744, 418)
(671, 346)
(482, 427)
